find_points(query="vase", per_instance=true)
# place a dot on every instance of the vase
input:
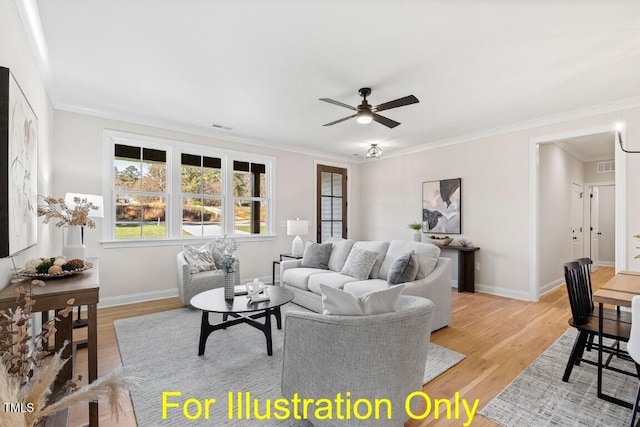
(229, 290)
(72, 246)
(417, 235)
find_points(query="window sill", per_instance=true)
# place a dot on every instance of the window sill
(113, 244)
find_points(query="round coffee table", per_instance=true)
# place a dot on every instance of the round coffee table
(240, 308)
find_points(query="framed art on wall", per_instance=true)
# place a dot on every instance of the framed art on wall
(18, 168)
(441, 209)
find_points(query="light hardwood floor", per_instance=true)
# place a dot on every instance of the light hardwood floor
(499, 336)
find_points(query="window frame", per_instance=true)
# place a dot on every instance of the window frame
(174, 150)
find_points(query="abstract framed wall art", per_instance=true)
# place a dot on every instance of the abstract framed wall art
(441, 208)
(18, 168)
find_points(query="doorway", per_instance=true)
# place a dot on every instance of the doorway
(546, 257)
(601, 224)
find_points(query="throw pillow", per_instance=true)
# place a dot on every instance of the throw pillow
(404, 269)
(340, 303)
(359, 263)
(199, 258)
(316, 255)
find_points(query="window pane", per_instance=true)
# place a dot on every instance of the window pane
(325, 189)
(242, 217)
(337, 209)
(191, 179)
(242, 184)
(128, 216)
(337, 229)
(127, 174)
(153, 216)
(191, 215)
(154, 171)
(325, 230)
(212, 180)
(337, 184)
(326, 208)
(212, 217)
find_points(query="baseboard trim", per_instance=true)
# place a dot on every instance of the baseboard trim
(606, 264)
(137, 297)
(502, 292)
(550, 286)
(154, 295)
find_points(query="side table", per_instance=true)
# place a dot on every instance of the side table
(282, 256)
(466, 266)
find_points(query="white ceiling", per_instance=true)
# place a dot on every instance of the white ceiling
(259, 67)
(590, 148)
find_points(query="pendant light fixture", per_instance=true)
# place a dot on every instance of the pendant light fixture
(374, 152)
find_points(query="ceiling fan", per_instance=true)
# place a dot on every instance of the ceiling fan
(365, 113)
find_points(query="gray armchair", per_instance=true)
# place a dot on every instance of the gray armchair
(373, 357)
(190, 284)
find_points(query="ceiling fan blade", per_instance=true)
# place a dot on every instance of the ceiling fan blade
(385, 121)
(341, 120)
(340, 104)
(400, 102)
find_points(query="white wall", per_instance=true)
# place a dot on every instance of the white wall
(15, 54)
(495, 201)
(591, 173)
(606, 224)
(152, 270)
(558, 170)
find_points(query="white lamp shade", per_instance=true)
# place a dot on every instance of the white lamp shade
(297, 227)
(96, 200)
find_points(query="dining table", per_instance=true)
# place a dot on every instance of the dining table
(618, 291)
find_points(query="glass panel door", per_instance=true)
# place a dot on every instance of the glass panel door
(332, 202)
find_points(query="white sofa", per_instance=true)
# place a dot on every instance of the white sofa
(432, 282)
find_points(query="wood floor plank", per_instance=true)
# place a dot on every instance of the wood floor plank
(499, 336)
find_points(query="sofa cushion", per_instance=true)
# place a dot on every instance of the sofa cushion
(359, 263)
(426, 253)
(361, 287)
(299, 277)
(404, 269)
(339, 252)
(199, 258)
(332, 279)
(341, 303)
(316, 255)
(378, 246)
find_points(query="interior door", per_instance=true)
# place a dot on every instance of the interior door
(576, 221)
(595, 227)
(331, 202)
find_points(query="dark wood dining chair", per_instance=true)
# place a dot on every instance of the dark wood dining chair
(584, 317)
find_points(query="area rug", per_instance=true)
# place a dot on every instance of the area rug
(160, 351)
(538, 397)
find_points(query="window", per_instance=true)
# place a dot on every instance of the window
(161, 189)
(140, 184)
(201, 201)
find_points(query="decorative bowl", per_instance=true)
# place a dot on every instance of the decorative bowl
(441, 241)
(63, 273)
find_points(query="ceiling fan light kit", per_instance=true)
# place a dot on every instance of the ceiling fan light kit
(366, 113)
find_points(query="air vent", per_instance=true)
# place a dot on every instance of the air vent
(606, 167)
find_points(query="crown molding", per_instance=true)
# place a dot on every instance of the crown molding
(216, 134)
(525, 125)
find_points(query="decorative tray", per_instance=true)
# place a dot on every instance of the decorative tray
(63, 273)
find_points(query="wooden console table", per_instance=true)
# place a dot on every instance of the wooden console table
(466, 266)
(84, 288)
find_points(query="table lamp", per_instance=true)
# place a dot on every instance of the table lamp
(297, 227)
